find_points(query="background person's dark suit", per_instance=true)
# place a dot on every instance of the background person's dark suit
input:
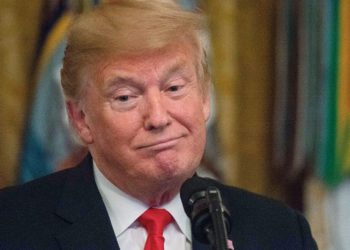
(66, 211)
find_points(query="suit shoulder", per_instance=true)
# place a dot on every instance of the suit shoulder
(249, 208)
(244, 199)
(258, 205)
(40, 191)
(265, 221)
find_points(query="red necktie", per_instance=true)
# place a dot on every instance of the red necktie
(155, 220)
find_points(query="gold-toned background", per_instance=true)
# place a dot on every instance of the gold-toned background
(19, 31)
(242, 35)
(243, 46)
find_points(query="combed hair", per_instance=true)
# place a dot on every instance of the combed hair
(126, 27)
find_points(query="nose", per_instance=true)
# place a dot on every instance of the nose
(156, 113)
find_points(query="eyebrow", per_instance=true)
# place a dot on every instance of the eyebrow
(127, 78)
(120, 79)
(177, 66)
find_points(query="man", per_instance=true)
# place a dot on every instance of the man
(136, 84)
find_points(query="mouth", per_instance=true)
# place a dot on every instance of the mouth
(161, 144)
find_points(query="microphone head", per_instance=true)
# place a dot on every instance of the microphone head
(191, 190)
(194, 197)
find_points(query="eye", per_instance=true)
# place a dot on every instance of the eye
(124, 102)
(174, 88)
(122, 98)
(125, 99)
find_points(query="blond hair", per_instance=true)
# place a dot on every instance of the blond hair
(129, 27)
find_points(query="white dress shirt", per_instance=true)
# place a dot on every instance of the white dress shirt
(123, 211)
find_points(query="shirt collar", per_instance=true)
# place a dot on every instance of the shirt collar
(124, 209)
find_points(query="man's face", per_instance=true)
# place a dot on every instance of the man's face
(144, 117)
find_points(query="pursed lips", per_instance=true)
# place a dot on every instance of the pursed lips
(161, 144)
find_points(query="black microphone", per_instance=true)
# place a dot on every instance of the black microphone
(210, 220)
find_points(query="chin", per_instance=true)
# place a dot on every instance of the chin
(175, 177)
(175, 170)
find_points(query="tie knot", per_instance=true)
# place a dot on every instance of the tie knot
(155, 220)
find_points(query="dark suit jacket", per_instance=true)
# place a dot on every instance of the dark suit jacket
(66, 211)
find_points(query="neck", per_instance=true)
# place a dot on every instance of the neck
(154, 195)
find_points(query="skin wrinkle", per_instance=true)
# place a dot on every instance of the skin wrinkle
(172, 120)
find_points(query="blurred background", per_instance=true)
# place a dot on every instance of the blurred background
(281, 118)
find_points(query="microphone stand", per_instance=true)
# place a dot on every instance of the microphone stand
(216, 232)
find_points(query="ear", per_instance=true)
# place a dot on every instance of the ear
(77, 118)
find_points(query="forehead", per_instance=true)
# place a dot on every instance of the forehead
(173, 58)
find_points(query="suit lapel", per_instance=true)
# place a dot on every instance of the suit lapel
(82, 207)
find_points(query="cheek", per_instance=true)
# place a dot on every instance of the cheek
(123, 130)
(193, 115)
(109, 126)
